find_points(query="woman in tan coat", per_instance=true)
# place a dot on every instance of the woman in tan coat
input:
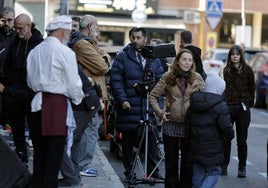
(178, 84)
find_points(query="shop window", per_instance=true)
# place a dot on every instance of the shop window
(228, 26)
(264, 35)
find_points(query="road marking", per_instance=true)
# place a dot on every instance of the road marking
(258, 125)
(264, 113)
(248, 163)
(264, 174)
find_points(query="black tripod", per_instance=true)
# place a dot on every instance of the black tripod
(143, 136)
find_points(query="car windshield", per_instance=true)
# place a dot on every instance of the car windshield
(221, 56)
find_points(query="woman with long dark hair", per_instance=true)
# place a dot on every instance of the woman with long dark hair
(178, 83)
(239, 94)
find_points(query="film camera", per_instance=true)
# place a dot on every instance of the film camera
(160, 51)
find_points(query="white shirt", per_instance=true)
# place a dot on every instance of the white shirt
(52, 67)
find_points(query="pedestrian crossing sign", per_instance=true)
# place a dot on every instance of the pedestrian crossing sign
(214, 12)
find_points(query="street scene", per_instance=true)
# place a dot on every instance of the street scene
(256, 163)
(133, 93)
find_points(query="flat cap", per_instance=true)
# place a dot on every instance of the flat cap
(63, 22)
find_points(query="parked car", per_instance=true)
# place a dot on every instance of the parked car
(214, 59)
(259, 64)
(250, 52)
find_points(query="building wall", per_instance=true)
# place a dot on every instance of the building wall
(177, 7)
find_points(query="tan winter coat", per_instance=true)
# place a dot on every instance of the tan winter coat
(93, 62)
(175, 103)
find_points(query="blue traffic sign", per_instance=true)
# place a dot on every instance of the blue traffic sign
(214, 12)
(214, 8)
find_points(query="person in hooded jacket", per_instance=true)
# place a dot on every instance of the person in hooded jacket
(208, 125)
(186, 42)
(16, 93)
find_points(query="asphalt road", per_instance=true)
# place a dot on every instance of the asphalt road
(256, 164)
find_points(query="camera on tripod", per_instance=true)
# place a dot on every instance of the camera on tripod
(159, 51)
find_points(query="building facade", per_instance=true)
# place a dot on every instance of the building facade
(163, 19)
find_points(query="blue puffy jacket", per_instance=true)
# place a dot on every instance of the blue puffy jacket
(126, 71)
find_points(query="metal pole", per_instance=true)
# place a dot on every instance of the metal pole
(243, 16)
(1, 4)
(63, 7)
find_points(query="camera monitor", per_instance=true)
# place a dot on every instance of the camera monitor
(159, 51)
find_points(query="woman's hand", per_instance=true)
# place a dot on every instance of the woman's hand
(166, 116)
(2, 87)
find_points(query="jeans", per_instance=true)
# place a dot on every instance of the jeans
(88, 142)
(241, 119)
(70, 165)
(205, 176)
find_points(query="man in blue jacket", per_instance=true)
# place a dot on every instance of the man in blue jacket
(130, 68)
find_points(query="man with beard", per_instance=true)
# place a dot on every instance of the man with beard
(16, 93)
(7, 36)
(94, 63)
(130, 68)
(52, 72)
(7, 33)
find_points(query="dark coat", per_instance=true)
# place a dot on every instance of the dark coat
(208, 124)
(126, 71)
(197, 60)
(17, 94)
(5, 42)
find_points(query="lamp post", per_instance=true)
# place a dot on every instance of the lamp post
(1, 4)
(63, 7)
(243, 17)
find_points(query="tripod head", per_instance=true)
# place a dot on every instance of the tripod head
(146, 85)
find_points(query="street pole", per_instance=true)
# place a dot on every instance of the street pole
(1, 4)
(243, 16)
(63, 7)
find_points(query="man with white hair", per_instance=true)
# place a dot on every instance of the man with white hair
(52, 72)
(94, 62)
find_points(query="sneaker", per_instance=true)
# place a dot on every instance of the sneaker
(90, 172)
(242, 173)
(224, 171)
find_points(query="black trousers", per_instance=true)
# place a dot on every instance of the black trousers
(48, 152)
(241, 119)
(18, 120)
(172, 166)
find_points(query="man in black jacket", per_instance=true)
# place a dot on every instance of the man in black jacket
(17, 95)
(186, 42)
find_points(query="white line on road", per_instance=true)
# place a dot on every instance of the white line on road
(236, 158)
(264, 174)
(258, 125)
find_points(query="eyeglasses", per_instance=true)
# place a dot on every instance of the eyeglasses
(9, 20)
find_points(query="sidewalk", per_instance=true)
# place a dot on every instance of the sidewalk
(107, 177)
